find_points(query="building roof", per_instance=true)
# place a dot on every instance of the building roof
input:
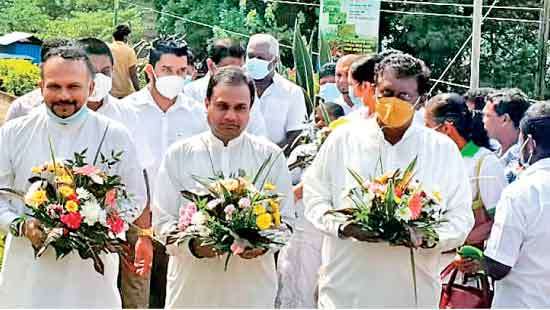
(23, 37)
(13, 56)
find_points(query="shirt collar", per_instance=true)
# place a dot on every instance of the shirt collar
(147, 99)
(216, 142)
(542, 164)
(413, 128)
(469, 150)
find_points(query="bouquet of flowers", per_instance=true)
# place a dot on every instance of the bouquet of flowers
(236, 213)
(77, 204)
(395, 208)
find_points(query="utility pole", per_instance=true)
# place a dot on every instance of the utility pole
(544, 30)
(476, 43)
(115, 19)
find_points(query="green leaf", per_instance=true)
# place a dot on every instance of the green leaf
(324, 51)
(303, 64)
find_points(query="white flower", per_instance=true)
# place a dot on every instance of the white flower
(199, 218)
(213, 204)
(403, 214)
(91, 211)
(202, 230)
(83, 194)
(102, 219)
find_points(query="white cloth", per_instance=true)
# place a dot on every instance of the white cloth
(24, 104)
(283, 107)
(357, 274)
(197, 91)
(69, 282)
(519, 239)
(194, 282)
(345, 106)
(157, 130)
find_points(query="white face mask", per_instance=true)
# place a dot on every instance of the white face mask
(169, 86)
(329, 92)
(257, 68)
(103, 85)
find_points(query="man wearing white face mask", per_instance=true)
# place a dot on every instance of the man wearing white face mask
(328, 90)
(222, 53)
(164, 114)
(281, 102)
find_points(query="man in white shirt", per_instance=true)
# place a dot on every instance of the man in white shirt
(197, 277)
(134, 288)
(363, 274)
(501, 117)
(164, 114)
(48, 282)
(342, 72)
(282, 102)
(222, 53)
(24, 104)
(517, 252)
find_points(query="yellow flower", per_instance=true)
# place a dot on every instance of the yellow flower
(437, 196)
(37, 198)
(274, 204)
(71, 206)
(264, 221)
(397, 200)
(259, 209)
(66, 191)
(269, 186)
(64, 179)
(277, 219)
(36, 170)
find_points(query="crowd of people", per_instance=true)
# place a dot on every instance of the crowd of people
(486, 151)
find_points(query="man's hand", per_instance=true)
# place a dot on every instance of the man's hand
(355, 231)
(202, 251)
(33, 230)
(298, 191)
(143, 259)
(252, 253)
(468, 266)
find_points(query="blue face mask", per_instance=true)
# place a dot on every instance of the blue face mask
(73, 119)
(354, 99)
(188, 79)
(329, 92)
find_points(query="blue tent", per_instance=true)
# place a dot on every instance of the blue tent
(20, 45)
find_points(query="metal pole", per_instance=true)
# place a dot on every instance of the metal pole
(116, 6)
(540, 85)
(476, 43)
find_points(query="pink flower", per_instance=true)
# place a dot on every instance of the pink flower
(72, 220)
(54, 210)
(110, 198)
(415, 205)
(238, 247)
(87, 170)
(229, 210)
(186, 215)
(116, 224)
(244, 202)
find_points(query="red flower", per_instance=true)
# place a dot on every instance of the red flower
(72, 220)
(415, 205)
(116, 224)
(73, 197)
(398, 192)
(110, 198)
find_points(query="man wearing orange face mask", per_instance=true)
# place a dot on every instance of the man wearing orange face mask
(365, 274)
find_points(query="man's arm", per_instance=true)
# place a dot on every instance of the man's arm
(134, 77)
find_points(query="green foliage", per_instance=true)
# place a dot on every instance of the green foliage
(304, 66)
(18, 76)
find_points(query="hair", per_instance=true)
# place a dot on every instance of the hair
(121, 32)
(160, 48)
(334, 109)
(264, 38)
(511, 101)
(452, 107)
(93, 46)
(53, 43)
(389, 52)
(71, 53)
(223, 48)
(362, 70)
(536, 123)
(405, 66)
(328, 69)
(478, 96)
(233, 76)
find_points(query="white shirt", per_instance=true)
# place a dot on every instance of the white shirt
(360, 274)
(491, 177)
(197, 90)
(283, 107)
(157, 130)
(197, 283)
(519, 239)
(71, 282)
(345, 106)
(24, 104)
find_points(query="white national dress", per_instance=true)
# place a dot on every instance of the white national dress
(69, 282)
(194, 282)
(359, 274)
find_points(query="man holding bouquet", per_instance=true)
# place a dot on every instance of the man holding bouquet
(374, 274)
(196, 276)
(64, 127)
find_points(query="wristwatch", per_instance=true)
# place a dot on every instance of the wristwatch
(145, 232)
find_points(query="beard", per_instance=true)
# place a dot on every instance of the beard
(64, 108)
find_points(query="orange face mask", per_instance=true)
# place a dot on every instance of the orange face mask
(394, 112)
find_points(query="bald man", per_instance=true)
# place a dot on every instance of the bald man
(342, 68)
